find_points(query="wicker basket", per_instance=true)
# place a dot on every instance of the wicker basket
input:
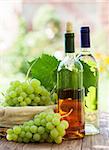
(10, 116)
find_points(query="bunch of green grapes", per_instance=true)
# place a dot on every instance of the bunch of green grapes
(45, 127)
(27, 93)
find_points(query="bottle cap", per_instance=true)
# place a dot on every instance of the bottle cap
(69, 38)
(69, 27)
(85, 37)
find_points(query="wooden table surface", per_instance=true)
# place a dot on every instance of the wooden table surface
(96, 142)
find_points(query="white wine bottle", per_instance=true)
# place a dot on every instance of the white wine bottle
(90, 82)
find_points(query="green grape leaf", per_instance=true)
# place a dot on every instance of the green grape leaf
(45, 70)
(92, 65)
(89, 77)
(90, 99)
(69, 79)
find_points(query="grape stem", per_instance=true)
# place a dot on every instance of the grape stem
(53, 90)
(28, 72)
(67, 113)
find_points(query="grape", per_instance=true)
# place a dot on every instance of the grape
(23, 104)
(16, 83)
(41, 130)
(42, 115)
(9, 137)
(9, 131)
(60, 127)
(62, 132)
(49, 117)
(25, 140)
(22, 134)
(43, 98)
(45, 127)
(20, 99)
(35, 83)
(23, 94)
(17, 130)
(54, 133)
(14, 136)
(44, 92)
(18, 90)
(28, 100)
(27, 128)
(12, 94)
(58, 140)
(57, 115)
(45, 135)
(65, 123)
(15, 101)
(49, 126)
(43, 122)
(28, 135)
(24, 85)
(56, 121)
(37, 99)
(27, 94)
(32, 96)
(37, 121)
(29, 90)
(10, 102)
(38, 90)
(33, 129)
(36, 137)
(31, 122)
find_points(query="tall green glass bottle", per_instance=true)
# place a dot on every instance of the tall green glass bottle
(90, 81)
(70, 89)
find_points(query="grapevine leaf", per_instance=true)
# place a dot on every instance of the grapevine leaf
(45, 70)
(89, 78)
(90, 99)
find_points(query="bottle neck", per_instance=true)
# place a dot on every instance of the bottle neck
(70, 55)
(85, 50)
(69, 43)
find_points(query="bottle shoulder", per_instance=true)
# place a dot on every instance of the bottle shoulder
(89, 58)
(70, 64)
(86, 56)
